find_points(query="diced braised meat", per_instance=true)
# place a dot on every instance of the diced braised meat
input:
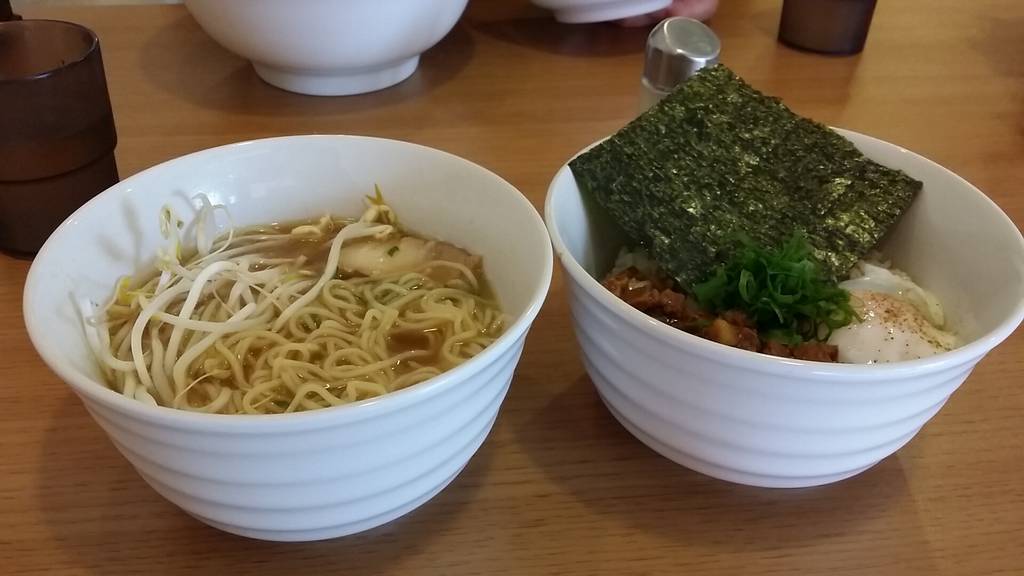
(776, 348)
(738, 318)
(673, 304)
(694, 316)
(642, 296)
(633, 290)
(722, 332)
(730, 334)
(748, 339)
(816, 351)
(617, 283)
(655, 297)
(650, 295)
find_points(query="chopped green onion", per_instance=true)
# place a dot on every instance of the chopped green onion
(784, 291)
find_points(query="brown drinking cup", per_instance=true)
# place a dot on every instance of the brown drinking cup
(57, 134)
(837, 27)
(6, 12)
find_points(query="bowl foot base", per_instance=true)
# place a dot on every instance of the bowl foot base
(338, 82)
(610, 10)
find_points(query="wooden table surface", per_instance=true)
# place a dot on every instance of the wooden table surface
(559, 487)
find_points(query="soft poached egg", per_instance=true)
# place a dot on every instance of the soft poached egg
(899, 320)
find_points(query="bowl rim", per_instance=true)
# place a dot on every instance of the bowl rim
(98, 391)
(756, 361)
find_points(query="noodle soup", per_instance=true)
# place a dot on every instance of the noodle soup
(290, 317)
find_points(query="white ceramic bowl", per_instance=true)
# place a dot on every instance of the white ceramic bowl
(329, 47)
(316, 474)
(582, 11)
(765, 421)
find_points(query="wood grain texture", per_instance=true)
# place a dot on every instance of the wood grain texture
(559, 487)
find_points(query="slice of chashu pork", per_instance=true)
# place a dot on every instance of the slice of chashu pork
(372, 257)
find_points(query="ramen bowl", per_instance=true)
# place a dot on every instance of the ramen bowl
(323, 473)
(583, 11)
(329, 47)
(760, 420)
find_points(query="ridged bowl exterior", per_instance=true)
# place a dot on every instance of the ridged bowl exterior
(338, 477)
(740, 427)
(765, 421)
(327, 472)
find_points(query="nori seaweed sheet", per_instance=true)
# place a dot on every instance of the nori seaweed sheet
(717, 159)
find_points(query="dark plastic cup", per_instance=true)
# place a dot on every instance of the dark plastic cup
(6, 12)
(837, 27)
(57, 135)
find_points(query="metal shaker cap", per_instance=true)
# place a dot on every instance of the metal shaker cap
(676, 49)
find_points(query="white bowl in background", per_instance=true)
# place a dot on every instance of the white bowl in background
(766, 421)
(583, 11)
(329, 47)
(323, 473)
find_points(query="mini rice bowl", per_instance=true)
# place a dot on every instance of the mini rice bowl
(765, 421)
(324, 473)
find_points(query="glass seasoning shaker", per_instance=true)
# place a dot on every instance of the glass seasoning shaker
(676, 49)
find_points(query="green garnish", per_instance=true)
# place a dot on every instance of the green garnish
(378, 197)
(784, 291)
(392, 250)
